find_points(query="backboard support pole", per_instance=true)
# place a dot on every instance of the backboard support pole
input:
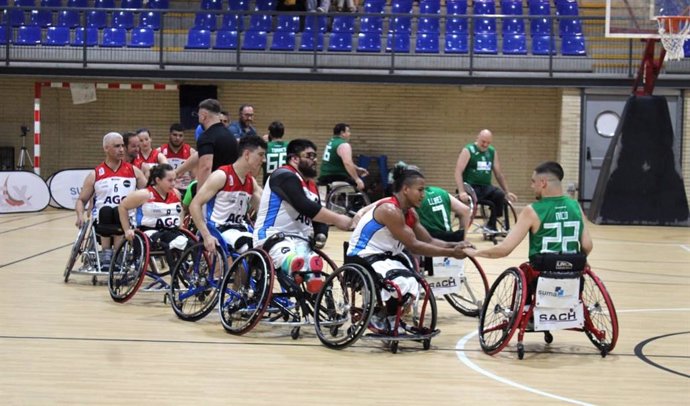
(649, 69)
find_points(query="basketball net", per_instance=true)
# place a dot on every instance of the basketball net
(674, 31)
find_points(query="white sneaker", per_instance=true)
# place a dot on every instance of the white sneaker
(378, 324)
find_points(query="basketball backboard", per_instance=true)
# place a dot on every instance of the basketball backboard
(637, 18)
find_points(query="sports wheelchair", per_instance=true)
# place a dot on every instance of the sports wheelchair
(137, 260)
(351, 297)
(197, 276)
(481, 209)
(462, 282)
(85, 253)
(518, 301)
(343, 198)
(249, 295)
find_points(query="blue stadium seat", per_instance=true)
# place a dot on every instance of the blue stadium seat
(24, 3)
(3, 37)
(41, 18)
(540, 45)
(456, 7)
(131, 4)
(28, 35)
(427, 43)
(287, 23)
(539, 8)
(283, 41)
(514, 44)
(68, 18)
(484, 24)
(51, 3)
(77, 3)
(265, 5)
(57, 36)
(232, 22)
(511, 7)
(211, 4)
(686, 48)
(456, 43)
(315, 22)
(96, 19)
(567, 8)
(239, 5)
(371, 24)
(226, 39)
(159, 4)
(311, 41)
(375, 6)
(399, 43)
(17, 17)
(91, 36)
(343, 24)
(456, 25)
(369, 42)
(401, 24)
(205, 21)
(401, 6)
(340, 42)
(513, 26)
(150, 19)
(260, 22)
(104, 3)
(485, 43)
(123, 19)
(198, 39)
(142, 37)
(254, 41)
(540, 27)
(569, 27)
(573, 45)
(114, 37)
(428, 24)
(430, 7)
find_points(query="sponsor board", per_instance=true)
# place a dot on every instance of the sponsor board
(22, 192)
(557, 293)
(548, 319)
(65, 187)
(448, 274)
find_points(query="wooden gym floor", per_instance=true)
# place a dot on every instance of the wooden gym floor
(71, 344)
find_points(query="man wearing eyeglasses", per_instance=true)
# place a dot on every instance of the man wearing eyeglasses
(243, 127)
(290, 204)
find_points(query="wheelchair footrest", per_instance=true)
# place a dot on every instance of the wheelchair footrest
(401, 337)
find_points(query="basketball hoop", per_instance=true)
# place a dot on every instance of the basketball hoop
(673, 31)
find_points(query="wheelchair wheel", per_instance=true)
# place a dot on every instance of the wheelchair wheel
(345, 305)
(346, 200)
(509, 217)
(422, 319)
(502, 311)
(473, 288)
(195, 280)
(246, 291)
(472, 203)
(128, 268)
(80, 245)
(601, 321)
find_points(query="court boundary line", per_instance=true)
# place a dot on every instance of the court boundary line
(460, 353)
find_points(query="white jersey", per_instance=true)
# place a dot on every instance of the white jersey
(231, 203)
(371, 237)
(111, 186)
(277, 215)
(158, 212)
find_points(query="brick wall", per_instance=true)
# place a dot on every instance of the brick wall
(422, 124)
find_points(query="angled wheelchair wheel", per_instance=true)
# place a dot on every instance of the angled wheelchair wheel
(128, 268)
(194, 282)
(508, 219)
(246, 291)
(78, 248)
(346, 199)
(472, 203)
(424, 313)
(345, 305)
(601, 321)
(473, 289)
(502, 310)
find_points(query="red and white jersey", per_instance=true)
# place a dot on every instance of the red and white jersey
(371, 237)
(231, 203)
(158, 211)
(152, 159)
(111, 186)
(175, 159)
(277, 215)
(138, 162)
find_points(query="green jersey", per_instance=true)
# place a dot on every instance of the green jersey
(276, 155)
(478, 169)
(331, 163)
(560, 229)
(434, 213)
